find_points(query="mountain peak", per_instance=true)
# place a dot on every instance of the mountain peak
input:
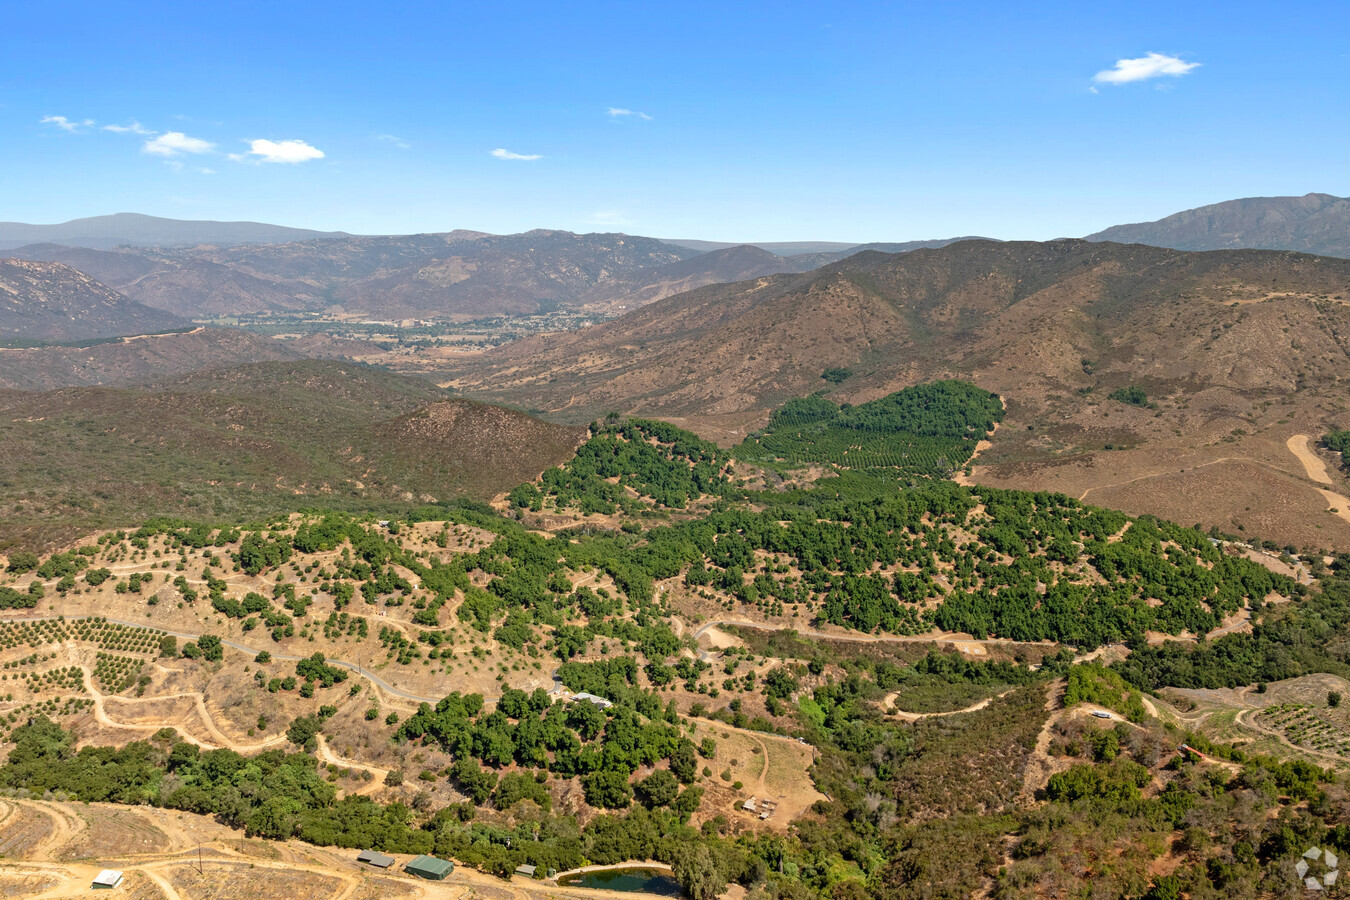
(1313, 223)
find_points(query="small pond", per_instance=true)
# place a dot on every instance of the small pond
(628, 878)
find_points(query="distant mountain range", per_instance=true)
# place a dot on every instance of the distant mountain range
(460, 273)
(208, 269)
(106, 232)
(1313, 223)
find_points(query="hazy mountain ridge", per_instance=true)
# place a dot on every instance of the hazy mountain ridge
(106, 232)
(53, 302)
(1313, 223)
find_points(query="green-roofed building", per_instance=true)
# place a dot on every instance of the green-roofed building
(430, 868)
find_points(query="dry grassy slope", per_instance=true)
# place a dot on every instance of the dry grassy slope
(138, 359)
(464, 441)
(235, 443)
(1240, 349)
(53, 302)
(723, 266)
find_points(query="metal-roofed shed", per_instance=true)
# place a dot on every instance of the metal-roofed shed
(375, 858)
(526, 870)
(430, 868)
(107, 880)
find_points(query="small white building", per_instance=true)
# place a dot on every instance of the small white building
(592, 698)
(107, 880)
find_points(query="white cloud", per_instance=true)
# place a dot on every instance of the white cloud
(617, 112)
(66, 124)
(1154, 65)
(279, 152)
(134, 128)
(175, 143)
(507, 154)
(393, 139)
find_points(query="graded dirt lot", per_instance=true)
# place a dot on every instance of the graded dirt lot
(768, 767)
(163, 863)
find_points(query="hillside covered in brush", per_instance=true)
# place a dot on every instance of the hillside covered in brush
(46, 303)
(1233, 351)
(357, 652)
(131, 360)
(252, 439)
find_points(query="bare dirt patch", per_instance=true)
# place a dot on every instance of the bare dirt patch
(23, 830)
(228, 882)
(26, 885)
(110, 831)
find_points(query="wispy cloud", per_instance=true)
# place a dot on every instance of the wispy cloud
(507, 154)
(175, 143)
(133, 128)
(397, 141)
(618, 112)
(1144, 68)
(65, 124)
(291, 152)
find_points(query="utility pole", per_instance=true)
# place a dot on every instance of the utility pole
(200, 871)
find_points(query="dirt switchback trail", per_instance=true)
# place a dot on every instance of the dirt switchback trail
(889, 701)
(208, 722)
(326, 754)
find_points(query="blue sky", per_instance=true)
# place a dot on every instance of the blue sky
(783, 121)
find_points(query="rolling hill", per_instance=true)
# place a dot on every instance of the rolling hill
(1236, 351)
(106, 232)
(143, 358)
(255, 440)
(1313, 223)
(53, 302)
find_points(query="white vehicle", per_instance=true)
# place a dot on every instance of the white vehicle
(1101, 714)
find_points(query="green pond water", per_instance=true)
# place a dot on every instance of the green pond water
(629, 878)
